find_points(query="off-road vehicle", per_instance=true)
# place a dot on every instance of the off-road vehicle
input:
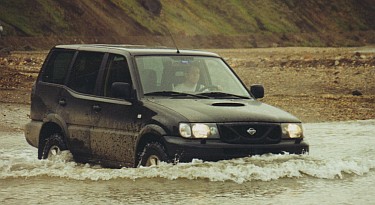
(121, 105)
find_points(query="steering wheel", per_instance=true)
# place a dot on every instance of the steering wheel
(209, 88)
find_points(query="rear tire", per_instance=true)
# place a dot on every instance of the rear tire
(153, 153)
(53, 146)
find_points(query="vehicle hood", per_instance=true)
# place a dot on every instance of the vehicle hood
(220, 110)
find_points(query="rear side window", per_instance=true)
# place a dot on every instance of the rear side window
(57, 66)
(85, 72)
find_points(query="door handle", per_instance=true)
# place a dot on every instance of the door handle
(96, 108)
(62, 102)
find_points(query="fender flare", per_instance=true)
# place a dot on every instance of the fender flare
(150, 129)
(55, 118)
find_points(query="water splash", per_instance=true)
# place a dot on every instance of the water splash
(256, 168)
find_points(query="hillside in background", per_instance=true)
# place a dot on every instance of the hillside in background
(40, 24)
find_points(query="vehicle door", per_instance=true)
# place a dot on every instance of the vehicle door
(117, 120)
(51, 83)
(77, 101)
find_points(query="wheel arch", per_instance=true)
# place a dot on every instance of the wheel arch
(149, 133)
(52, 124)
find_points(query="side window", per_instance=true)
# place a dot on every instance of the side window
(85, 71)
(117, 70)
(57, 66)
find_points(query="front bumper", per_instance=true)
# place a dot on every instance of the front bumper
(214, 150)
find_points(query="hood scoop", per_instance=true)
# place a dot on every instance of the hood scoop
(228, 104)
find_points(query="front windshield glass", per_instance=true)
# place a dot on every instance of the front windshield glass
(193, 75)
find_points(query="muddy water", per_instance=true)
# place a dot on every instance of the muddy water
(340, 169)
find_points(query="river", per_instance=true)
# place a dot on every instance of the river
(340, 169)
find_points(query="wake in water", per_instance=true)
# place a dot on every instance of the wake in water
(263, 168)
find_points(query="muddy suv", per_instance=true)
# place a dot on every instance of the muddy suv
(130, 106)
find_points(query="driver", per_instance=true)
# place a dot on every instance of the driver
(190, 83)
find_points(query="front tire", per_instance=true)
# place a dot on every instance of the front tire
(53, 146)
(153, 153)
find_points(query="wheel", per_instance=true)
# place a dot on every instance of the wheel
(153, 153)
(53, 146)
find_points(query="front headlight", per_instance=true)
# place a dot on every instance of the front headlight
(292, 130)
(198, 130)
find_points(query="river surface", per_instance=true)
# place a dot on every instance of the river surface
(340, 169)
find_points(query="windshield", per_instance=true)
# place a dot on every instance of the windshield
(193, 75)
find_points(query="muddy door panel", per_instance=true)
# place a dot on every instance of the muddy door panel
(114, 137)
(76, 109)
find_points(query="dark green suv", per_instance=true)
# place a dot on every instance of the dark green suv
(135, 106)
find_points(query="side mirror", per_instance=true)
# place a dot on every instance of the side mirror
(121, 90)
(257, 91)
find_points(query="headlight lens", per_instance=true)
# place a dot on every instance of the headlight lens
(185, 130)
(292, 130)
(198, 130)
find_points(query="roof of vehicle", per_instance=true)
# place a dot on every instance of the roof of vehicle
(137, 49)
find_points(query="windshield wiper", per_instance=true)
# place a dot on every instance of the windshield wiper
(174, 94)
(223, 95)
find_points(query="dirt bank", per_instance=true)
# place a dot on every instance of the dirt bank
(315, 84)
